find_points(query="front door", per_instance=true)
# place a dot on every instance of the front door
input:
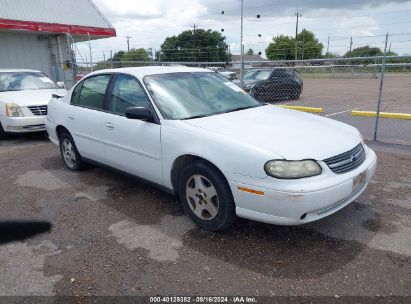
(131, 145)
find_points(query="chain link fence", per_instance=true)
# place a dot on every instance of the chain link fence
(337, 88)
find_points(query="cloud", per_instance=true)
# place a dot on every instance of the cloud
(149, 22)
(270, 8)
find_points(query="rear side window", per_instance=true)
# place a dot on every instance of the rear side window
(127, 92)
(91, 92)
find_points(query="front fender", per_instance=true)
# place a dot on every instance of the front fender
(228, 155)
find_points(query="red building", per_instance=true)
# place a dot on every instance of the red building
(40, 34)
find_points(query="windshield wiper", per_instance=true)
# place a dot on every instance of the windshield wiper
(241, 108)
(193, 117)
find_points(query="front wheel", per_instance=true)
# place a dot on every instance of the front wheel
(2, 133)
(206, 197)
(69, 153)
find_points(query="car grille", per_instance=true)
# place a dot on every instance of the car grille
(38, 110)
(347, 161)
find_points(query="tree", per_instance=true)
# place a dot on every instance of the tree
(135, 55)
(198, 45)
(118, 55)
(283, 47)
(308, 46)
(250, 52)
(364, 51)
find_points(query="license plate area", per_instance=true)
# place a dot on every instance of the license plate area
(359, 181)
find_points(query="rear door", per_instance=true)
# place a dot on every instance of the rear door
(131, 145)
(85, 115)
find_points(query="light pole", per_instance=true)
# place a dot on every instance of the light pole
(241, 46)
(296, 33)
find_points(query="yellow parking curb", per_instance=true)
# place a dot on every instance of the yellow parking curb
(382, 114)
(303, 109)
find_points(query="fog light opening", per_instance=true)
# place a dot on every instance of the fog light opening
(303, 216)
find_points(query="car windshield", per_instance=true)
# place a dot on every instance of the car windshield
(20, 81)
(194, 95)
(257, 75)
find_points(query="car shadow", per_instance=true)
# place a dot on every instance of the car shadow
(277, 251)
(16, 139)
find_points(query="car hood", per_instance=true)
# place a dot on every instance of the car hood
(30, 97)
(291, 134)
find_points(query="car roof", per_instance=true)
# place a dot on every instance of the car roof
(140, 72)
(17, 70)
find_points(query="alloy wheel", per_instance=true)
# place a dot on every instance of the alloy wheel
(202, 197)
(69, 154)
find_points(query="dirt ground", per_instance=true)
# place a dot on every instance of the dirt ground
(112, 235)
(339, 96)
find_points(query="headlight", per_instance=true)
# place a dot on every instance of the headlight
(286, 169)
(13, 110)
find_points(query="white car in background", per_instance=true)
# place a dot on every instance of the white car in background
(223, 72)
(24, 96)
(192, 132)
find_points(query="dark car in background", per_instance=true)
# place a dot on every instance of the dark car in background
(276, 84)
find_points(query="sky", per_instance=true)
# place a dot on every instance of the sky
(149, 22)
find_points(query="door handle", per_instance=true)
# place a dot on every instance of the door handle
(71, 116)
(109, 125)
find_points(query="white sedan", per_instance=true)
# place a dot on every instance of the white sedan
(196, 134)
(24, 95)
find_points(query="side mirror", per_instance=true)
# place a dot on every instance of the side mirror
(61, 84)
(140, 113)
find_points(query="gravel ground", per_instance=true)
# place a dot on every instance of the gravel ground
(113, 235)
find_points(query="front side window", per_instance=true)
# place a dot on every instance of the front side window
(21, 81)
(91, 92)
(192, 95)
(127, 93)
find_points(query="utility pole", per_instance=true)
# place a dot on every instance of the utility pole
(128, 43)
(328, 44)
(91, 57)
(381, 87)
(104, 56)
(302, 55)
(194, 40)
(241, 46)
(350, 45)
(296, 33)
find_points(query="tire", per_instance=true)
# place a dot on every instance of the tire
(69, 153)
(296, 96)
(2, 133)
(206, 197)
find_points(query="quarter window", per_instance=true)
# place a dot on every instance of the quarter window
(91, 93)
(126, 93)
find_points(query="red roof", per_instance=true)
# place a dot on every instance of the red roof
(34, 26)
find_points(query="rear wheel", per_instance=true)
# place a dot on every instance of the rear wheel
(69, 153)
(206, 197)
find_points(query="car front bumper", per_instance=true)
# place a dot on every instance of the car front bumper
(23, 124)
(302, 201)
